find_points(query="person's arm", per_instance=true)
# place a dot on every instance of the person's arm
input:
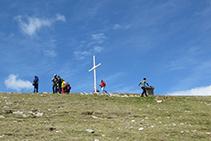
(139, 84)
(147, 84)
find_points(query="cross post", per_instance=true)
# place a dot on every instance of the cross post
(94, 68)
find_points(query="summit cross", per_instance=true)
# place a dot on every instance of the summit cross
(94, 68)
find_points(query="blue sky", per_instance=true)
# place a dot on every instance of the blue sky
(166, 41)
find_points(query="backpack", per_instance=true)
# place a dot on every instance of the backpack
(35, 82)
(68, 87)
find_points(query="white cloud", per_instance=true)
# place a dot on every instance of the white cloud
(60, 17)
(96, 40)
(200, 91)
(118, 26)
(97, 49)
(80, 55)
(50, 53)
(12, 82)
(99, 37)
(30, 25)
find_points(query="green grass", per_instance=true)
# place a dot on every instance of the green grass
(67, 117)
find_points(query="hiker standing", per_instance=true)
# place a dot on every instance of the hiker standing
(35, 84)
(63, 86)
(67, 88)
(102, 85)
(60, 84)
(143, 82)
(55, 81)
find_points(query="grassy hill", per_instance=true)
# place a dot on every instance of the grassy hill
(28, 116)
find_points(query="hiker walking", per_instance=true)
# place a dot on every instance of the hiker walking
(143, 82)
(55, 81)
(102, 85)
(35, 84)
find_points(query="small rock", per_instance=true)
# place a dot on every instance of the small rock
(24, 115)
(140, 129)
(2, 116)
(5, 106)
(38, 114)
(18, 112)
(90, 131)
(94, 117)
(30, 112)
(8, 103)
(159, 101)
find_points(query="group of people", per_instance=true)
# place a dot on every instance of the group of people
(59, 85)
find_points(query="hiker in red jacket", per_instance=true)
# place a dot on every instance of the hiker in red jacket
(102, 85)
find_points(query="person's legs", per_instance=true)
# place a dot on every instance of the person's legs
(144, 91)
(37, 89)
(54, 88)
(63, 90)
(146, 94)
(103, 89)
(60, 89)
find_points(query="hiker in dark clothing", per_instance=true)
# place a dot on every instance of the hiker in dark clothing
(143, 82)
(35, 84)
(67, 88)
(55, 81)
(59, 84)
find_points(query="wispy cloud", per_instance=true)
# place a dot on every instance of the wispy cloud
(100, 37)
(80, 55)
(30, 25)
(12, 82)
(199, 91)
(90, 47)
(50, 53)
(118, 26)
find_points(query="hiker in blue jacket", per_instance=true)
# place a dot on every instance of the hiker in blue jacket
(143, 82)
(35, 84)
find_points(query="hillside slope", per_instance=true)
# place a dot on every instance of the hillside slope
(29, 116)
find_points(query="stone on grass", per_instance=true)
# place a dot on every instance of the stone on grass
(94, 117)
(140, 129)
(90, 130)
(18, 112)
(38, 114)
(2, 116)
